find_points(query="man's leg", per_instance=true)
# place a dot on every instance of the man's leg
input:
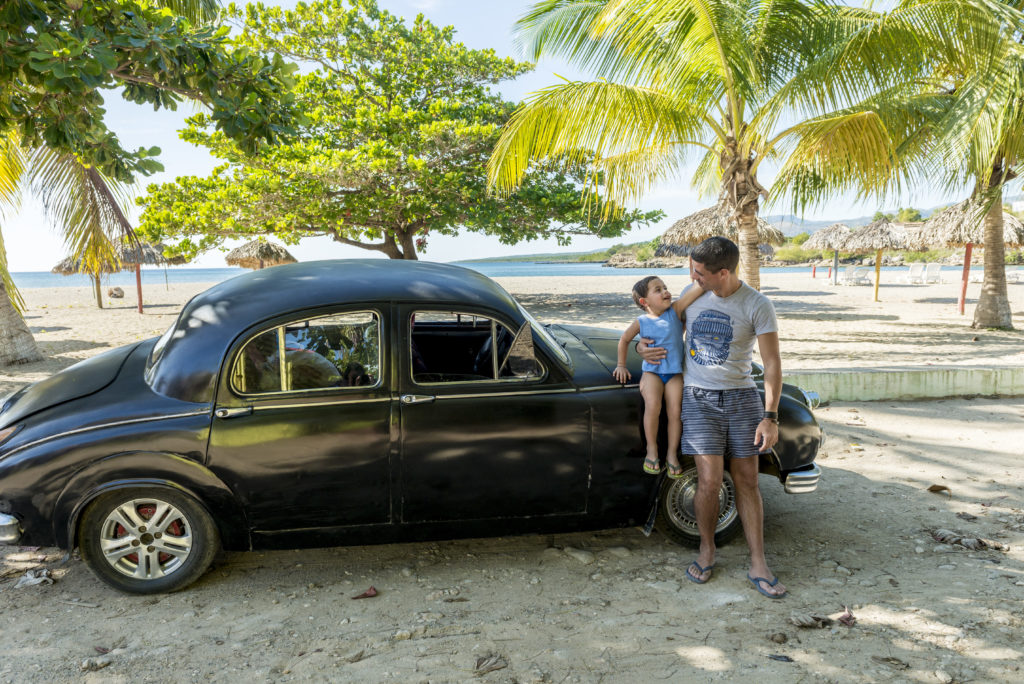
(751, 510)
(709, 482)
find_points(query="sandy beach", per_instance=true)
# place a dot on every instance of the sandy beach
(611, 606)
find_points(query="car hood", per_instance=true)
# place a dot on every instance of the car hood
(82, 379)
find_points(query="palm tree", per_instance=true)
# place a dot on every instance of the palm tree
(717, 77)
(85, 205)
(972, 113)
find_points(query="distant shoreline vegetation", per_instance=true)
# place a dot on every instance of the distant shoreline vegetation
(791, 253)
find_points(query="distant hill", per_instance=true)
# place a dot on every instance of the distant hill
(791, 225)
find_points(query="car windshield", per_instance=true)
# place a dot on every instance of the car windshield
(540, 330)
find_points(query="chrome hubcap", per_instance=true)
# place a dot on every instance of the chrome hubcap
(679, 502)
(146, 538)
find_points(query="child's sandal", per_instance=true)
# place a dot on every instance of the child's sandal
(651, 467)
(675, 472)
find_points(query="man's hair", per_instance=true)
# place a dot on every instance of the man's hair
(640, 290)
(717, 253)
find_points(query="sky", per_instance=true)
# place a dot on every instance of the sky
(33, 245)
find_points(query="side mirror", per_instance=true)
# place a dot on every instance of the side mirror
(520, 362)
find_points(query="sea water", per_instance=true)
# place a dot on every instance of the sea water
(492, 269)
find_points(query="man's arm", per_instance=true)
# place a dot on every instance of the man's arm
(768, 430)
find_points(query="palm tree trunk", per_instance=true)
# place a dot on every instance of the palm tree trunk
(16, 342)
(750, 262)
(993, 310)
(96, 287)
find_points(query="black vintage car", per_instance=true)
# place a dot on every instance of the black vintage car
(342, 402)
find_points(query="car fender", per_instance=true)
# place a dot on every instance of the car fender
(150, 469)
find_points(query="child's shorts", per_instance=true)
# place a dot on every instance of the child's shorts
(721, 422)
(665, 377)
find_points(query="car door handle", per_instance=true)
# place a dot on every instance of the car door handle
(417, 398)
(233, 412)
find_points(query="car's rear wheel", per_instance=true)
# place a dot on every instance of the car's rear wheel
(677, 517)
(147, 540)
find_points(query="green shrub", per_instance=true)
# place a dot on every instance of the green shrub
(799, 239)
(1014, 257)
(929, 256)
(645, 252)
(796, 254)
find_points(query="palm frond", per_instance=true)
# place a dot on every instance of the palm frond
(85, 206)
(584, 123)
(196, 11)
(832, 152)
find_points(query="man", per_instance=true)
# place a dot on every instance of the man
(723, 417)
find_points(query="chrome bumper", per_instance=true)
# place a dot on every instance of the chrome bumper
(10, 529)
(803, 481)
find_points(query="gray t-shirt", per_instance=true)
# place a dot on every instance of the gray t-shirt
(720, 336)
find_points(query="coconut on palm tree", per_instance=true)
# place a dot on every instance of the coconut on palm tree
(727, 81)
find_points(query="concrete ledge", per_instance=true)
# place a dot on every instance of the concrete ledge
(910, 382)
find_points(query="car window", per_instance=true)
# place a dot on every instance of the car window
(327, 352)
(452, 346)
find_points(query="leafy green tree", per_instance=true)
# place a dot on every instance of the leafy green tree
(800, 238)
(400, 125)
(908, 215)
(879, 215)
(59, 57)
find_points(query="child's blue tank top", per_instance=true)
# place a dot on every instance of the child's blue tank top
(667, 332)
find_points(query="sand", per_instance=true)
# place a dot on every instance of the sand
(611, 606)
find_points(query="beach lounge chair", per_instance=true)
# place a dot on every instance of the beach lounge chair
(855, 275)
(916, 273)
(1015, 275)
(976, 276)
(932, 273)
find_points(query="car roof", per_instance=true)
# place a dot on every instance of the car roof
(186, 365)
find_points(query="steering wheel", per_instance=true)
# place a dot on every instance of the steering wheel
(482, 363)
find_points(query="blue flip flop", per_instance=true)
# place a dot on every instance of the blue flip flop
(700, 571)
(756, 581)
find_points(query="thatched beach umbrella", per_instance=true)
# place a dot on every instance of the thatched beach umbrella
(832, 238)
(70, 266)
(878, 235)
(716, 220)
(134, 255)
(962, 225)
(259, 254)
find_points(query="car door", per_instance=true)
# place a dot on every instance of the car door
(306, 443)
(479, 443)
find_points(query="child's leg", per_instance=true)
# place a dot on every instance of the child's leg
(674, 410)
(651, 389)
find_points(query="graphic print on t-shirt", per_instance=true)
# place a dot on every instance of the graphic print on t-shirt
(710, 337)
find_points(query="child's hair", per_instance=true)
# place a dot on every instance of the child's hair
(640, 290)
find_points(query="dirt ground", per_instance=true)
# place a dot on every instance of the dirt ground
(611, 606)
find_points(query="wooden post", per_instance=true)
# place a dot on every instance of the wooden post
(814, 270)
(138, 284)
(966, 275)
(878, 271)
(835, 268)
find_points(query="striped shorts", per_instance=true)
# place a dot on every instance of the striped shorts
(721, 422)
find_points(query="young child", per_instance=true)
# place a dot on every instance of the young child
(662, 322)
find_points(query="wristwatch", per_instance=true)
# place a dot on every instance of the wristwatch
(772, 416)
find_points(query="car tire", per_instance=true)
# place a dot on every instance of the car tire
(676, 517)
(147, 540)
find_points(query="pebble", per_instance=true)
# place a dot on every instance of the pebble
(406, 572)
(947, 566)
(943, 676)
(94, 664)
(831, 564)
(840, 570)
(620, 551)
(918, 549)
(832, 581)
(867, 582)
(583, 556)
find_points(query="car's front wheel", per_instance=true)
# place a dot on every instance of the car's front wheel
(677, 516)
(147, 540)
